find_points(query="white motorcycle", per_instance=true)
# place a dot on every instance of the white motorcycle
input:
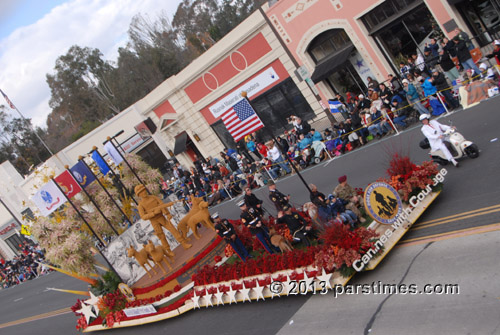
(456, 144)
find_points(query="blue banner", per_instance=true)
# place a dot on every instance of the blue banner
(82, 174)
(103, 166)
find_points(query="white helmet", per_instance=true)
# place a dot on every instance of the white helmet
(424, 116)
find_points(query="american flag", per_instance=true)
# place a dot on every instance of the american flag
(8, 100)
(241, 120)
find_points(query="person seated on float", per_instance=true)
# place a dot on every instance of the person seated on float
(253, 221)
(299, 229)
(319, 199)
(226, 230)
(338, 210)
(347, 192)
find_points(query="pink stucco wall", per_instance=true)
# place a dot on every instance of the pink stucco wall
(324, 10)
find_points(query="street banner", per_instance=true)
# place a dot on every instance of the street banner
(48, 198)
(82, 174)
(68, 184)
(113, 153)
(103, 166)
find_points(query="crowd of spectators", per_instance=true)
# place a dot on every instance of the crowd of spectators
(383, 109)
(26, 266)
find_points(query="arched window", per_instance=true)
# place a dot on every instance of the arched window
(328, 43)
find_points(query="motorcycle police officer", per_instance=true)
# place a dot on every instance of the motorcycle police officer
(253, 221)
(226, 230)
(296, 224)
(279, 199)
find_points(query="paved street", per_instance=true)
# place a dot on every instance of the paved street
(446, 246)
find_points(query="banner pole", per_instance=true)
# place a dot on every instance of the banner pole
(89, 227)
(118, 180)
(244, 95)
(126, 162)
(105, 190)
(93, 202)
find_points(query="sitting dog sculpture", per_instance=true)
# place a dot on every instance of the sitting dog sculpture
(142, 257)
(157, 254)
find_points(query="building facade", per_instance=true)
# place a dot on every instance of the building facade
(291, 57)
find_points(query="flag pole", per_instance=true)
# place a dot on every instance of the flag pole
(80, 158)
(270, 133)
(126, 162)
(118, 180)
(27, 122)
(93, 202)
(89, 227)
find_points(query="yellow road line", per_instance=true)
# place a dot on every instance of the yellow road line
(451, 234)
(420, 226)
(37, 317)
(457, 215)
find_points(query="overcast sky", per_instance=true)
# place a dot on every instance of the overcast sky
(34, 33)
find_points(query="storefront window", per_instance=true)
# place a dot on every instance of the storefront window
(274, 107)
(385, 11)
(482, 17)
(346, 79)
(152, 155)
(405, 35)
(15, 242)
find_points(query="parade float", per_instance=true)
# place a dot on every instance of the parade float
(169, 260)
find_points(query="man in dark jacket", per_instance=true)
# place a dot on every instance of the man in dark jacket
(278, 199)
(358, 126)
(319, 199)
(439, 81)
(448, 66)
(252, 201)
(464, 56)
(226, 230)
(296, 224)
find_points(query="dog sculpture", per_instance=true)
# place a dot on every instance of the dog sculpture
(200, 215)
(183, 223)
(157, 254)
(279, 241)
(142, 257)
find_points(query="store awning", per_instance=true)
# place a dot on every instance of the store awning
(327, 66)
(180, 143)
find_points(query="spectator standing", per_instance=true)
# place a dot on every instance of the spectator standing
(275, 155)
(464, 56)
(252, 147)
(448, 66)
(413, 97)
(439, 81)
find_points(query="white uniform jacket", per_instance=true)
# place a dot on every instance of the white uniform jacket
(432, 131)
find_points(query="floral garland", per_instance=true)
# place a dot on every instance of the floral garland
(408, 178)
(340, 248)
